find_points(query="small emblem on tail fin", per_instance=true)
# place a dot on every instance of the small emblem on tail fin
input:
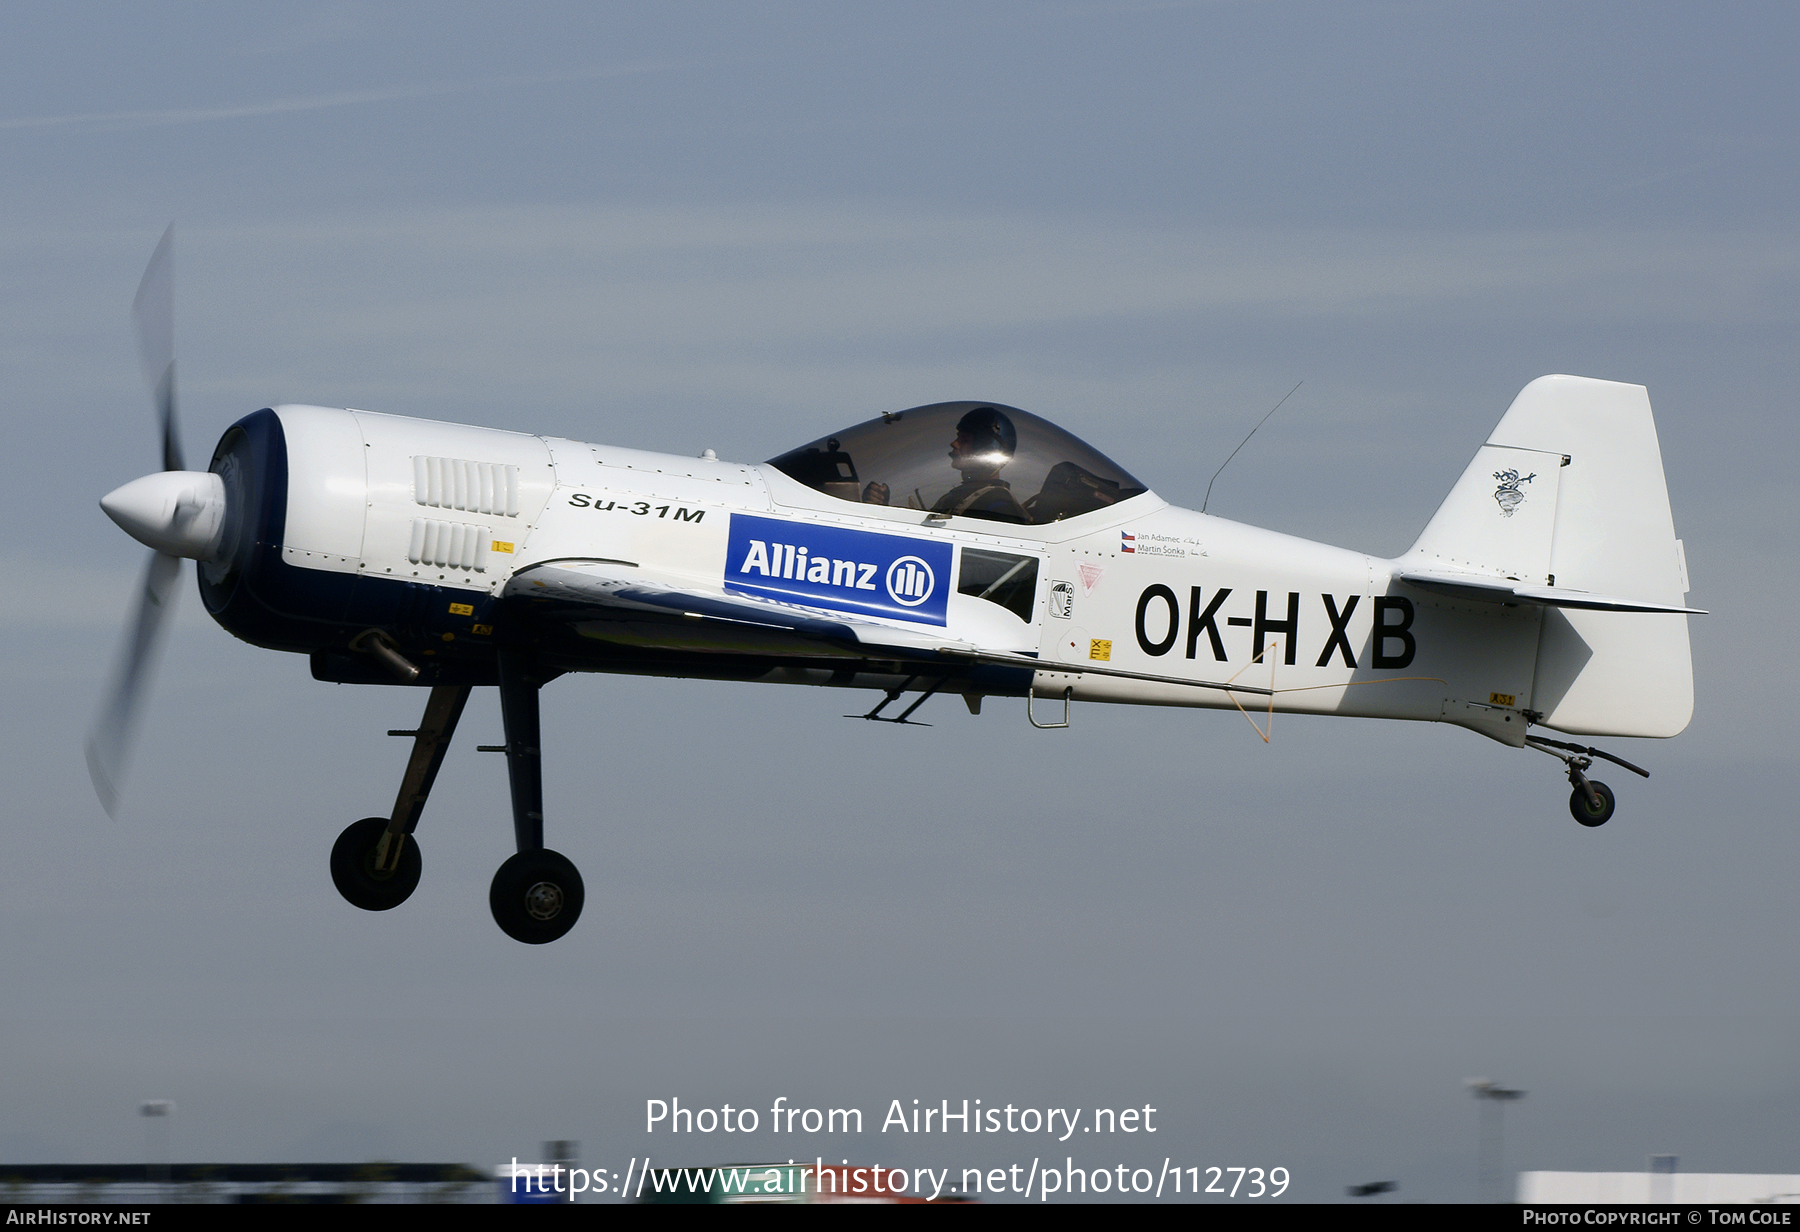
(1508, 493)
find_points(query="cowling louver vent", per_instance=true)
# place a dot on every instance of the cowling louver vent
(453, 545)
(474, 487)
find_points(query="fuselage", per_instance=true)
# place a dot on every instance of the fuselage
(348, 521)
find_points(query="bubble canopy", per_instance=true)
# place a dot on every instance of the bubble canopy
(971, 459)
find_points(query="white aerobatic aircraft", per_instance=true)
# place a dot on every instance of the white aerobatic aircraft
(966, 548)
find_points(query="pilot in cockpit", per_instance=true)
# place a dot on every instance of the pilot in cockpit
(985, 441)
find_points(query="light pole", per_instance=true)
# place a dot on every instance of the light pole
(566, 1152)
(1490, 1149)
(156, 1114)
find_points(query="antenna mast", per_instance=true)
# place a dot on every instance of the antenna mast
(1246, 441)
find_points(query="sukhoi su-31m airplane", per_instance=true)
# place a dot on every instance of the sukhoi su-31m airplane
(963, 548)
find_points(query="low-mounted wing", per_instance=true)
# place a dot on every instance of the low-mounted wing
(614, 601)
(620, 603)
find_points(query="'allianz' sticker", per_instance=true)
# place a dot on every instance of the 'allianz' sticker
(834, 567)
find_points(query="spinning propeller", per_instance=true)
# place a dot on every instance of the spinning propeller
(177, 513)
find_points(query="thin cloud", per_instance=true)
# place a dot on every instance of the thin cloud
(354, 98)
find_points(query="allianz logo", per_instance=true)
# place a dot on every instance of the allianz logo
(909, 580)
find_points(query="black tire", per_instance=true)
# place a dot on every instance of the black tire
(353, 867)
(536, 896)
(1582, 811)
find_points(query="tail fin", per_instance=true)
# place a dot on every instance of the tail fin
(1569, 493)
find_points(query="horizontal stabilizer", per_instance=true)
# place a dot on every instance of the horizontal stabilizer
(1483, 589)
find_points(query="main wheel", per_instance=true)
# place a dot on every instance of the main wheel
(1584, 812)
(353, 867)
(536, 896)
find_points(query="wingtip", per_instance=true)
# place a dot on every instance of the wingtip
(104, 787)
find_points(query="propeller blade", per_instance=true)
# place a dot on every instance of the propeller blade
(153, 312)
(109, 743)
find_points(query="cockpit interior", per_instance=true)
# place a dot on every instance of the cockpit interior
(968, 459)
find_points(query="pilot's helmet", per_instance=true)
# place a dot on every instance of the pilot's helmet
(993, 439)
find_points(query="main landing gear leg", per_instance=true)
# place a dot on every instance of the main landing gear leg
(375, 862)
(1591, 802)
(537, 895)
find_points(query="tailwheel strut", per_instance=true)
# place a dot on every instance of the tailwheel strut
(1591, 802)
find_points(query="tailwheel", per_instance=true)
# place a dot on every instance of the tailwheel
(1584, 810)
(353, 867)
(536, 896)
(1591, 803)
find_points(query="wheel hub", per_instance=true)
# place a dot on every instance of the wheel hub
(536, 896)
(544, 901)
